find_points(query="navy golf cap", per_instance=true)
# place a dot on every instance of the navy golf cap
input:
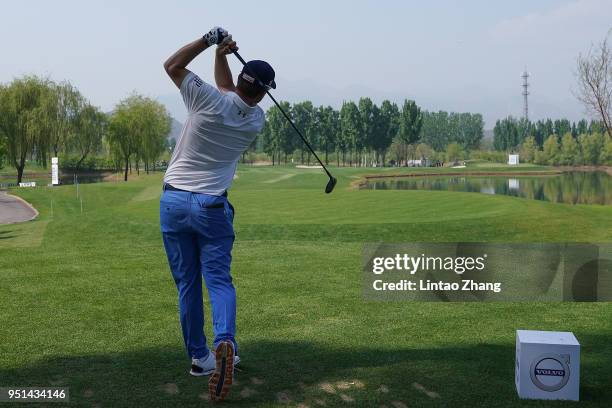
(257, 69)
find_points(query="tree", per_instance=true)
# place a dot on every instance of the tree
(423, 151)
(562, 126)
(473, 130)
(528, 149)
(591, 147)
(66, 106)
(123, 140)
(435, 131)
(24, 118)
(2, 147)
(543, 129)
(280, 136)
(582, 127)
(398, 150)
(551, 150)
(155, 123)
(135, 129)
(303, 116)
(388, 128)
(370, 118)
(506, 134)
(605, 156)
(350, 128)
(89, 130)
(454, 152)
(410, 121)
(594, 74)
(268, 144)
(569, 150)
(328, 128)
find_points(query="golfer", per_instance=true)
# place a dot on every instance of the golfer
(195, 214)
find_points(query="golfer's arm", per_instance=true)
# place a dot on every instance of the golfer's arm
(176, 65)
(223, 74)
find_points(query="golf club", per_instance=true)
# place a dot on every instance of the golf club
(332, 180)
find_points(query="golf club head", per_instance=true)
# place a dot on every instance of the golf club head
(330, 185)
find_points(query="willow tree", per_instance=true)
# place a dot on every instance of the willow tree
(137, 129)
(121, 133)
(25, 119)
(67, 106)
(155, 127)
(90, 125)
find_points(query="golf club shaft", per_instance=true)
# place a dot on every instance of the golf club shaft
(288, 119)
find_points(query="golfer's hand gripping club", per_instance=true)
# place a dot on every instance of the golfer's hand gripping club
(227, 46)
(215, 36)
(332, 180)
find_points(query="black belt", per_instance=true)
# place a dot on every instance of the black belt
(172, 188)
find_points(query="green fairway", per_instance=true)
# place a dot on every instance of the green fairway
(88, 301)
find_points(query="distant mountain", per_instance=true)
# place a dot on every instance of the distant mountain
(175, 129)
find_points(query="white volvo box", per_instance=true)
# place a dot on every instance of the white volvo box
(547, 365)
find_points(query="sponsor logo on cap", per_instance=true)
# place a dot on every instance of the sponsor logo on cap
(550, 372)
(248, 78)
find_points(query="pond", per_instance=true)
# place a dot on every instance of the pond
(577, 187)
(83, 178)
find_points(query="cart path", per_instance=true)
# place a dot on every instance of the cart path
(14, 209)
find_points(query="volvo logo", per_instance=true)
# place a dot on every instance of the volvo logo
(550, 372)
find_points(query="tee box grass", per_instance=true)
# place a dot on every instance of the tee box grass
(88, 301)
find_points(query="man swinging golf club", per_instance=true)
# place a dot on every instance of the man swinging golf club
(195, 215)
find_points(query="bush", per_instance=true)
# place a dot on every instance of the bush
(2, 151)
(67, 161)
(490, 156)
(540, 157)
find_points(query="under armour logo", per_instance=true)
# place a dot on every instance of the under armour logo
(242, 113)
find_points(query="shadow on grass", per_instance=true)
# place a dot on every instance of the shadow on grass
(3, 234)
(302, 374)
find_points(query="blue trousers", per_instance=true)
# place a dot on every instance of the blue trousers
(198, 236)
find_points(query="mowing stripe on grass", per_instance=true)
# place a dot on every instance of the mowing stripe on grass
(281, 178)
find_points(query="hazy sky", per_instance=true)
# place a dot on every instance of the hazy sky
(447, 55)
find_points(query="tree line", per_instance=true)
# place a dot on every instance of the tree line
(509, 133)
(364, 133)
(585, 149)
(40, 118)
(558, 142)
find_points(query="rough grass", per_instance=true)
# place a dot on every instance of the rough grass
(88, 301)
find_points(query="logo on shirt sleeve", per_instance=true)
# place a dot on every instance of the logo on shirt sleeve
(197, 81)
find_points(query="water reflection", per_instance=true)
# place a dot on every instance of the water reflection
(569, 188)
(84, 178)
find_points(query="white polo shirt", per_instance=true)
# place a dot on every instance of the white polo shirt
(218, 129)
